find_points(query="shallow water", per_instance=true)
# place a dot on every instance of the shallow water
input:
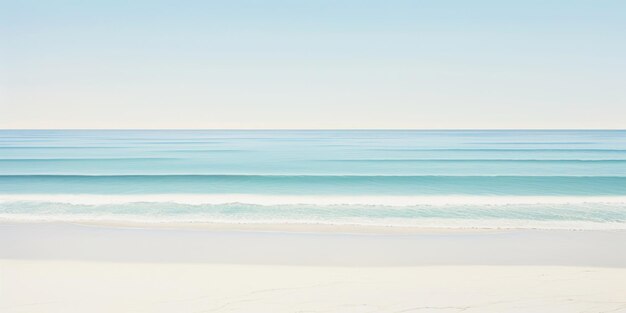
(528, 179)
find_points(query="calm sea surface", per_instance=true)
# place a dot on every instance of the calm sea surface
(494, 179)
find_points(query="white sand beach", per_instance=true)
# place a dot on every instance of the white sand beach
(87, 268)
(71, 286)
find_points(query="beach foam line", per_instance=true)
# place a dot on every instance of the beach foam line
(306, 224)
(265, 199)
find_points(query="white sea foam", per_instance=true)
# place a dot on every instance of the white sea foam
(452, 211)
(259, 199)
(271, 223)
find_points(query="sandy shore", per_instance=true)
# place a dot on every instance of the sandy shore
(70, 286)
(56, 241)
(87, 268)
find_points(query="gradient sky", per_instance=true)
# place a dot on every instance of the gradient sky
(312, 64)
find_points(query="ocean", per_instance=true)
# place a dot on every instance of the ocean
(546, 179)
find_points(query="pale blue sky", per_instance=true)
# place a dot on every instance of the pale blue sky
(313, 64)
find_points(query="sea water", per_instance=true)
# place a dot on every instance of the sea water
(570, 179)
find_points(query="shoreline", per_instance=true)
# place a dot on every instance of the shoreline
(261, 227)
(312, 199)
(293, 213)
(316, 227)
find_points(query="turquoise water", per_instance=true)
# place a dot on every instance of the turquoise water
(528, 179)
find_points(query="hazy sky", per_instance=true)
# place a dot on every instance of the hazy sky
(313, 64)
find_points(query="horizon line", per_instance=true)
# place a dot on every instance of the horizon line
(326, 129)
